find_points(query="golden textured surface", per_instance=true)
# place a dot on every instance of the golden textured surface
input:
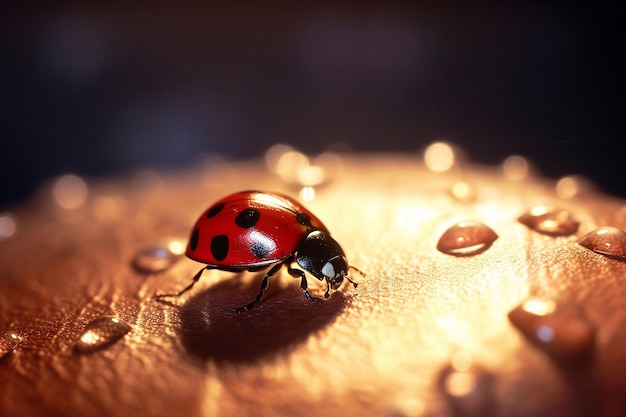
(424, 334)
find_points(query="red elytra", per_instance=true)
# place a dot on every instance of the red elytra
(251, 230)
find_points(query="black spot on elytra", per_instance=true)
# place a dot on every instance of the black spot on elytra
(214, 210)
(219, 247)
(247, 218)
(193, 240)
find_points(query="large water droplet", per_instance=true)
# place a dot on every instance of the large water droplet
(466, 238)
(101, 332)
(158, 257)
(563, 336)
(9, 341)
(468, 387)
(607, 241)
(550, 221)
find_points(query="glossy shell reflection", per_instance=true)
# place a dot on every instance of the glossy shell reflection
(158, 257)
(466, 238)
(607, 241)
(101, 333)
(549, 221)
(9, 341)
(467, 386)
(563, 336)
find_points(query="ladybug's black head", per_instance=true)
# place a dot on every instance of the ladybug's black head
(321, 256)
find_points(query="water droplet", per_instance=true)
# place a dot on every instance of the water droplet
(158, 257)
(550, 221)
(7, 226)
(100, 333)
(515, 168)
(607, 241)
(69, 192)
(9, 341)
(439, 156)
(463, 192)
(466, 238)
(562, 335)
(468, 387)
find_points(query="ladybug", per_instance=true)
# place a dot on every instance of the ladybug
(253, 230)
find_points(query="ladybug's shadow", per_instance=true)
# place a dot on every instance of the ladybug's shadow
(211, 329)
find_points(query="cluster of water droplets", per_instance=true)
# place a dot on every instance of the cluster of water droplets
(467, 386)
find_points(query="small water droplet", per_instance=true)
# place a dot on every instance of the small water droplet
(607, 241)
(100, 333)
(549, 221)
(158, 257)
(69, 192)
(564, 336)
(439, 157)
(515, 168)
(8, 226)
(9, 341)
(463, 192)
(466, 238)
(468, 387)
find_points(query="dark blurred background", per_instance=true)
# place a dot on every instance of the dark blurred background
(95, 90)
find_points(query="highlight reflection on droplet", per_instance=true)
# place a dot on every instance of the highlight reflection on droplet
(466, 238)
(101, 332)
(549, 221)
(69, 192)
(8, 226)
(607, 241)
(159, 256)
(9, 341)
(563, 336)
(439, 157)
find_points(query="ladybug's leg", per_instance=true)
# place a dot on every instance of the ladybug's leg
(195, 279)
(264, 285)
(296, 273)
